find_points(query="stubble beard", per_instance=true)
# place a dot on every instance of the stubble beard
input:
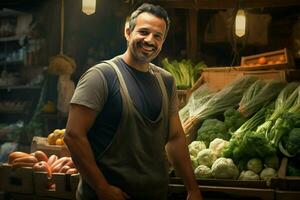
(139, 55)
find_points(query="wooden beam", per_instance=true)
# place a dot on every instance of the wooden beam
(192, 34)
(224, 4)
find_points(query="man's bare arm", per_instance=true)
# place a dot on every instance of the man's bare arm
(178, 155)
(80, 120)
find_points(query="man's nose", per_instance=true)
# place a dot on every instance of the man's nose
(149, 38)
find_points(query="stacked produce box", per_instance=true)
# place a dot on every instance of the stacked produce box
(46, 172)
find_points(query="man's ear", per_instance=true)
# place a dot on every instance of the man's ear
(127, 33)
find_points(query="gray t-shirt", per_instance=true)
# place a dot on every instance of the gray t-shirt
(98, 89)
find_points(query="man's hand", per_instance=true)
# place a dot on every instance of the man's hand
(112, 193)
(194, 195)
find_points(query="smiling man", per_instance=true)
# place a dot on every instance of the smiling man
(123, 121)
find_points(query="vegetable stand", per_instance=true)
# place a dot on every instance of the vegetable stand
(259, 107)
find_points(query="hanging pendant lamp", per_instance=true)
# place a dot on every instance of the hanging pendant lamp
(240, 23)
(88, 6)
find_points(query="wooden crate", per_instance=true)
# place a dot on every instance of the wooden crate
(178, 191)
(183, 96)
(280, 59)
(16, 179)
(283, 182)
(41, 143)
(18, 196)
(287, 195)
(225, 182)
(218, 78)
(65, 185)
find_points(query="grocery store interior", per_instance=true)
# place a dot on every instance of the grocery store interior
(236, 65)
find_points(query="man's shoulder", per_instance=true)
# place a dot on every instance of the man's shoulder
(162, 71)
(105, 67)
(167, 76)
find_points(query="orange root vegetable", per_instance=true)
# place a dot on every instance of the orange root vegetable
(52, 159)
(40, 156)
(42, 166)
(72, 171)
(16, 154)
(22, 164)
(27, 159)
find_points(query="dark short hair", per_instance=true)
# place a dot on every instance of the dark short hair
(155, 10)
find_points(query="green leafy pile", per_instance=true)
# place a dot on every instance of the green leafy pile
(185, 72)
(197, 98)
(263, 142)
(238, 147)
(233, 119)
(226, 98)
(258, 95)
(211, 129)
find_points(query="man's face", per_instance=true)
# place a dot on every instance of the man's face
(146, 39)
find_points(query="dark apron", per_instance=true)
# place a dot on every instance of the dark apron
(135, 161)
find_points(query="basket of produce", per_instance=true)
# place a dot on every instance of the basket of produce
(36, 173)
(244, 140)
(280, 59)
(53, 144)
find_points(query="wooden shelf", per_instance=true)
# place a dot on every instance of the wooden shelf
(11, 38)
(20, 87)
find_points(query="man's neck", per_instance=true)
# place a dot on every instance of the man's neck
(140, 66)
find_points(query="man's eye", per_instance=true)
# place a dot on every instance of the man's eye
(158, 37)
(143, 32)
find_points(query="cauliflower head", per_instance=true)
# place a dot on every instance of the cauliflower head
(203, 171)
(224, 168)
(217, 146)
(194, 161)
(268, 173)
(195, 147)
(206, 157)
(255, 165)
(248, 176)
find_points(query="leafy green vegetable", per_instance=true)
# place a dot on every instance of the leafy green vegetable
(228, 97)
(293, 167)
(197, 98)
(211, 129)
(239, 148)
(283, 125)
(283, 103)
(291, 146)
(184, 72)
(233, 119)
(272, 161)
(251, 92)
(260, 97)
